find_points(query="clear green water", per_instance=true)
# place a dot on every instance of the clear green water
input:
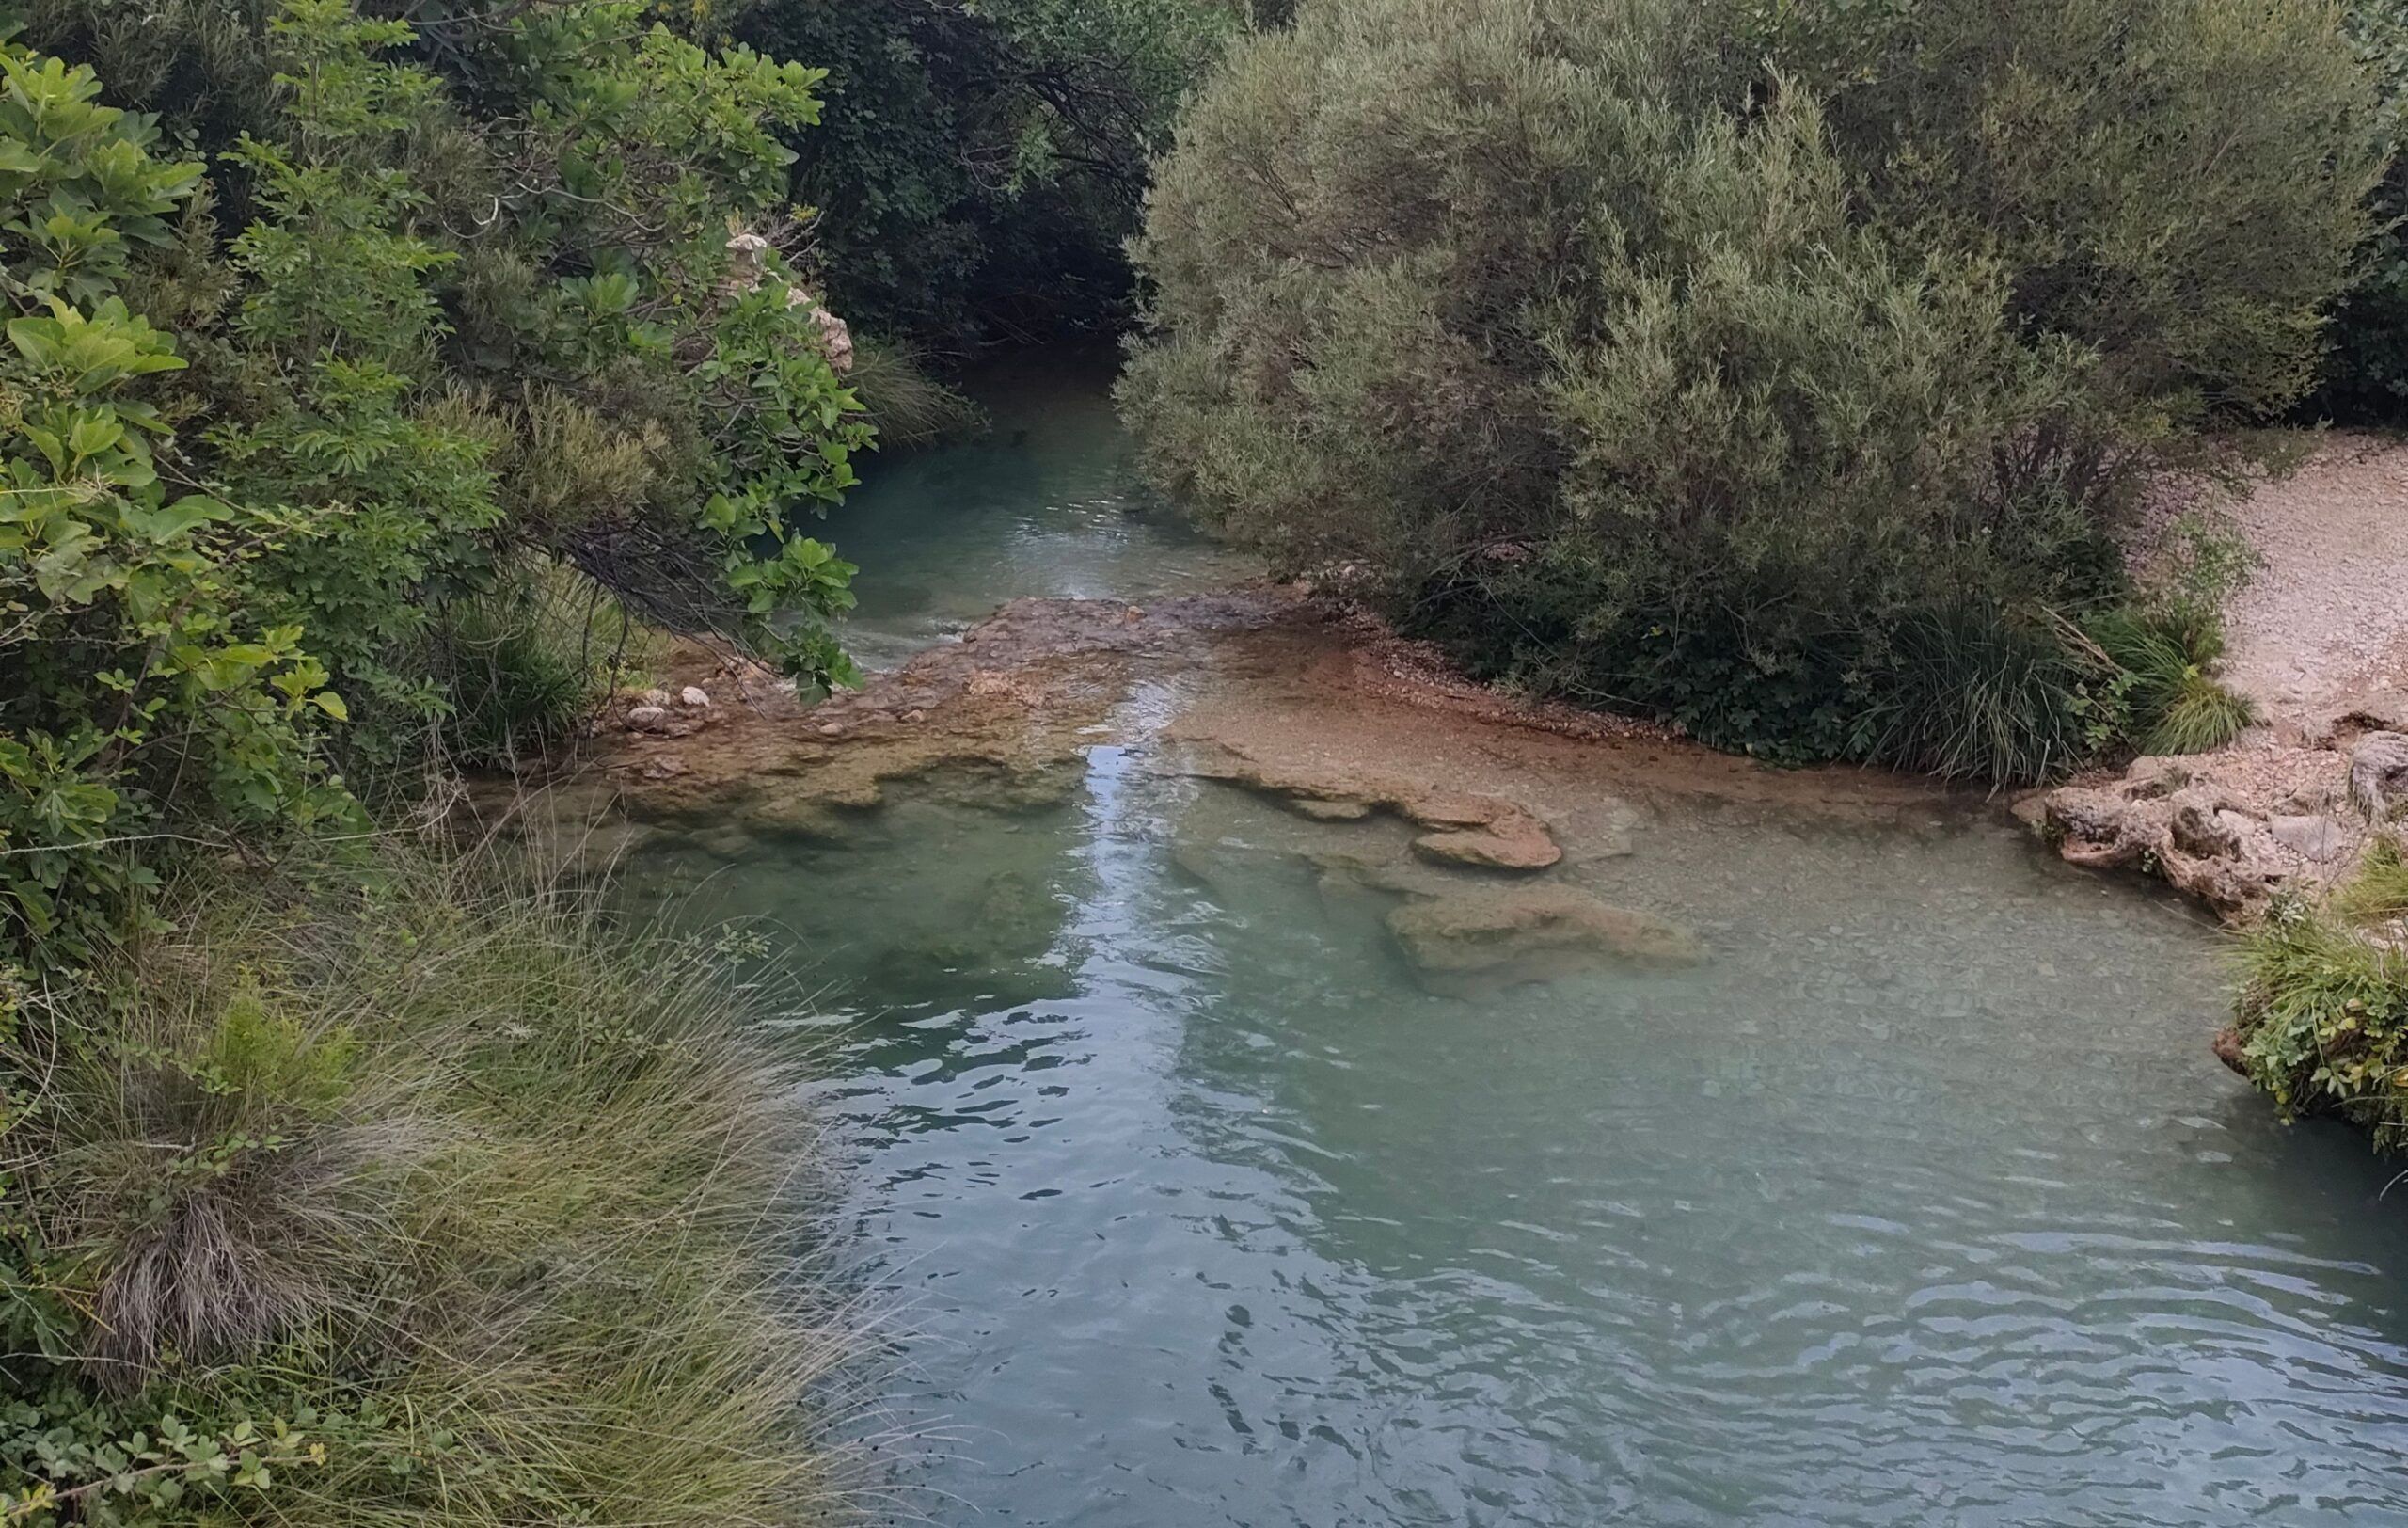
(1922, 1202)
(1046, 502)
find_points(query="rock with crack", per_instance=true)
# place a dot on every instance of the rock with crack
(2232, 828)
(1486, 938)
(2379, 774)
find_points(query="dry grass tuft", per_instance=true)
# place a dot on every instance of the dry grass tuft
(511, 1203)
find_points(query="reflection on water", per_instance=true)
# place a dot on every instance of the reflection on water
(1920, 1203)
(1046, 502)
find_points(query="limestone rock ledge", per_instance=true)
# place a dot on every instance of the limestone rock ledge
(2238, 826)
(1463, 827)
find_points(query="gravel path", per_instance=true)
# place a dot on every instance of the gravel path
(2326, 617)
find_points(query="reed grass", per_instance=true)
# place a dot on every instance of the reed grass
(503, 1206)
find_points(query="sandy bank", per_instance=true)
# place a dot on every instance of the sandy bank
(2318, 644)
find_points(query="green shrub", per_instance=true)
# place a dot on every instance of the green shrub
(394, 383)
(980, 165)
(143, 699)
(454, 1205)
(2324, 1010)
(2180, 183)
(2366, 373)
(528, 664)
(1620, 371)
(2162, 658)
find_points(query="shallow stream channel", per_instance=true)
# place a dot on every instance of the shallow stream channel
(1914, 1198)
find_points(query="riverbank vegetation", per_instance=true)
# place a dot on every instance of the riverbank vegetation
(1793, 375)
(2323, 1015)
(354, 416)
(405, 1194)
(372, 388)
(981, 165)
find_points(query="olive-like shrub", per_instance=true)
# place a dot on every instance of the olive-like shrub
(1608, 355)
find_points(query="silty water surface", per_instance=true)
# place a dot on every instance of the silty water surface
(1922, 1202)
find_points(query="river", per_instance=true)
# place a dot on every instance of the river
(1920, 1202)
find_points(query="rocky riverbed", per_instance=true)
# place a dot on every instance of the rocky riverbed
(1458, 805)
(1479, 822)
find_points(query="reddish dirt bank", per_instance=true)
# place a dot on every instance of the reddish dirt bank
(1317, 696)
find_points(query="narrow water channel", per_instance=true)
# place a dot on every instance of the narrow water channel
(1921, 1201)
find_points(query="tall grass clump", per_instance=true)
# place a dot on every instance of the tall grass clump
(442, 1201)
(907, 405)
(1982, 693)
(2162, 667)
(2323, 1022)
(1647, 355)
(528, 662)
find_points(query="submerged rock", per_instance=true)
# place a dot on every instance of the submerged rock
(1466, 828)
(1505, 936)
(1514, 848)
(1345, 809)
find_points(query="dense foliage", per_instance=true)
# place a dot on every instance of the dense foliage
(980, 165)
(2177, 184)
(439, 1208)
(2366, 377)
(272, 495)
(138, 685)
(1651, 376)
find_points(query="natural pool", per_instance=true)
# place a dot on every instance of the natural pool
(1921, 1201)
(1045, 503)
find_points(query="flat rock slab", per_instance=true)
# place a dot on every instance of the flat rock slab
(2312, 836)
(1491, 850)
(1466, 828)
(1533, 933)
